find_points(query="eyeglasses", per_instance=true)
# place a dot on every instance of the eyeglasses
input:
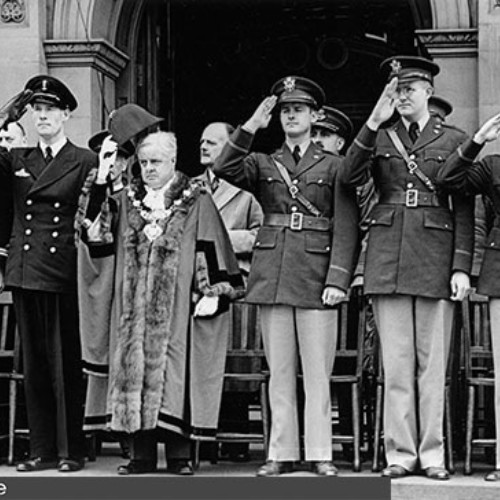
(406, 91)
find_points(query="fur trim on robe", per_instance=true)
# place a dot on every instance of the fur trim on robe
(151, 382)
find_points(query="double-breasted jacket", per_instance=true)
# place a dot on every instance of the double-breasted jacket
(417, 237)
(38, 206)
(483, 177)
(295, 253)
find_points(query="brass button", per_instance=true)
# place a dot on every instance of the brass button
(257, 244)
(29, 202)
(294, 209)
(295, 181)
(28, 217)
(27, 232)
(387, 155)
(52, 249)
(412, 157)
(320, 181)
(26, 247)
(56, 219)
(269, 179)
(55, 234)
(327, 248)
(409, 185)
(57, 204)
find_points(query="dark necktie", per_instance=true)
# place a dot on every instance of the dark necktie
(414, 131)
(296, 154)
(48, 155)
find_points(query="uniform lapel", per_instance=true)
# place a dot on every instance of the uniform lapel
(224, 194)
(403, 135)
(64, 162)
(431, 132)
(284, 156)
(33, 162)
(313, 155)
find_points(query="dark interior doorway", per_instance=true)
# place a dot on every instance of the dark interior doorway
(214, 60)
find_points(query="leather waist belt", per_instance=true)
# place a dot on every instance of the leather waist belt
(298, 222)
(413, 198)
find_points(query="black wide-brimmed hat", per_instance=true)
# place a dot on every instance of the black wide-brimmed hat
(50, 90)
(335, 121)
(95, 143)
(130, 121)
(298, 89)
(409, 68)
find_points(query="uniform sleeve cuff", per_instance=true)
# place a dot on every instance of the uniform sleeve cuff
(469, 150)
(242, 139)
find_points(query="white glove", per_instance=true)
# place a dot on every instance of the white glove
(107, 157)
(206, 306)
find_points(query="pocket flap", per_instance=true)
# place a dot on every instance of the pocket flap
(318, 242)
(382, 215)
(438, 219)
(266, 238)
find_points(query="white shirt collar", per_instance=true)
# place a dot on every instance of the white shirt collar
(155, 198)
(421, 123)
(303, 146)
(56, 147)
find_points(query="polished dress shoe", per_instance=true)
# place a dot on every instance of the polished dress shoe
(438, 473)
(179, 466)
(324, 468)
(136, 467)
(274, 468)
(493, 475)
(70, 464)
(36, 464)
(395, 471)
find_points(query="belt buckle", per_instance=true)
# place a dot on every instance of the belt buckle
(296, 221)
(411, 198)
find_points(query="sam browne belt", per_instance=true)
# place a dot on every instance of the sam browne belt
(298, 222)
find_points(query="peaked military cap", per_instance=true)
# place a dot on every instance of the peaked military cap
(130, 121)
(299, 89)
(95, 143)
(439, 106)
(409, 68)
(334, 120)
(50, 90)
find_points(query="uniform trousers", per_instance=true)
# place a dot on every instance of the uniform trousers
(311, 334)
(495, 342)
(53, 380)
(415, 334)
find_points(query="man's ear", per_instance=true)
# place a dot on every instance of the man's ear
(340, 143)
(66, 114)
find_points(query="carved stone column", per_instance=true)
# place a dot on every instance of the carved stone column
(456, 52)
(90, 68)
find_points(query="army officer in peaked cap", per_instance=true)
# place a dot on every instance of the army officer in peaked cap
(440, 107)
(301, 265)
(39, 192)
(332, 130)
(418, 258)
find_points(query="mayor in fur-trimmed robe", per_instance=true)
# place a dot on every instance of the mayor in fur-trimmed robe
(163, 373)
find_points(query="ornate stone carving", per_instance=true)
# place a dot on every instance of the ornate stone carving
(12, 11)
(450, 42)
(99, 54)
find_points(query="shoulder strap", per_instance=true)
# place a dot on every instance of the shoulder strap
(411, 165)
(294, 190)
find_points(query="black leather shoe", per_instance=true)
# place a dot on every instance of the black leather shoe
(274, 468)
(136, 467)
(71, 465)
(395, 471)
(180, 467)
(493, 475)
(36, 464)
(324, 468)
(438, 473)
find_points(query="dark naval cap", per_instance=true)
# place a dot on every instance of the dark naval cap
(409, 68)
(334, 120)
(299, 89)
(439, 106)
(130, 121)
(50, 90)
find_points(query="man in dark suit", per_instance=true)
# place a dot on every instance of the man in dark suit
(301, 266)
(418, 258)
(39, 192)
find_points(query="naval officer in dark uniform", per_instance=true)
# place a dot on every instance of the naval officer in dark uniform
(301, 265)
(39, 192)
(418, 258)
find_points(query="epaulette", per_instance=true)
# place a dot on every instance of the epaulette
(452, 127)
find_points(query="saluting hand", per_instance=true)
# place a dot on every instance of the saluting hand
(460, 286)
(332, 296)
(262, 115)
(107, 157)
(489, 131)
(385, 106)
(207, 306)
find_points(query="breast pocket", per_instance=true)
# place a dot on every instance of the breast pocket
(319, 190)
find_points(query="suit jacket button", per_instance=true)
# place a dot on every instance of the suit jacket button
(52, 249)
(56, 219)
(26, 247)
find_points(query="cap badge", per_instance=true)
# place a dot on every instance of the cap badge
(289, 84)
(44, 85)
(396, 66)
(321, 114)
